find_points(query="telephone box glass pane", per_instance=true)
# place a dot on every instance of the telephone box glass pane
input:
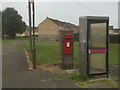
(97, 48)
(97, 35)
(97, 63)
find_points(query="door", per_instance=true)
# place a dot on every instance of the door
(97, 48)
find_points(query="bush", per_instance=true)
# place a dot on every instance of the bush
(114, 39)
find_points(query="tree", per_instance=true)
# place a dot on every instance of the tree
(12, 23)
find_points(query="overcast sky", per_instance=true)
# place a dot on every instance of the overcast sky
(68, 11)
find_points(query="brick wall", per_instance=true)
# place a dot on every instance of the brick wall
(48, 30)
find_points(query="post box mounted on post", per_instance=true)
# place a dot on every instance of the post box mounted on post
(66, 49)
(93, 40)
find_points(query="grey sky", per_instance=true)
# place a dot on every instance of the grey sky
(67, 11)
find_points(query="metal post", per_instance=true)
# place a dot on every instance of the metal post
(34, 49)
(29, 11)
(32, 40)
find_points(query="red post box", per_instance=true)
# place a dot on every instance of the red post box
(67, 45)
(66, 49)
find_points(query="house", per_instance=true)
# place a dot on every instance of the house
(114, 35)
(113, 31)
(116, 31)
(49, 29)
(26, 33)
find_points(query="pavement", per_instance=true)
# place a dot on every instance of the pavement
(15, 72)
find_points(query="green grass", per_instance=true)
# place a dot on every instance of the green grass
(113, 53)
(76, 52)
(48, 52)
(77, 77)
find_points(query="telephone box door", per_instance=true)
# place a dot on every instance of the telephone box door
(97, 48)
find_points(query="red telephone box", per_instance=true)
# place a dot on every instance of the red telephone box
(67, 45)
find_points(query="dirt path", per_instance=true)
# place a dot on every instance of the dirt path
(15, 73)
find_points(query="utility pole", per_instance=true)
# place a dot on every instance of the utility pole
(29, 11)
(34, 49)
(32, 40)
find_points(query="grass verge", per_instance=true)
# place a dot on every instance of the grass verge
(48, 52)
